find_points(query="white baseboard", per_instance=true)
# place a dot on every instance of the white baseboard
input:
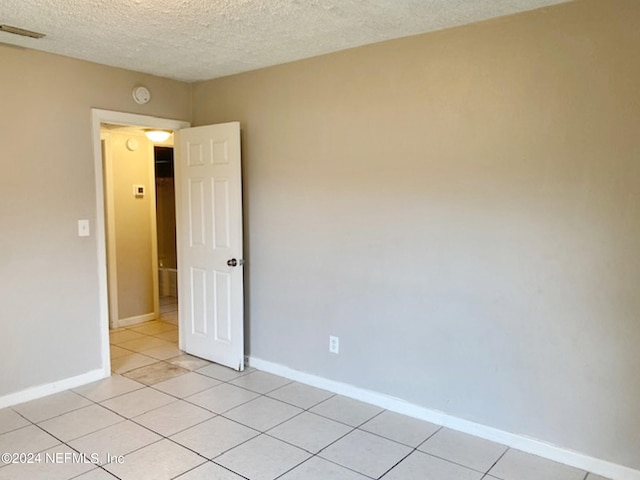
(519, 442)
(127, 322)
(51, 388)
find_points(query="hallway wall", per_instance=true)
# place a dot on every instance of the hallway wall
(134, 226)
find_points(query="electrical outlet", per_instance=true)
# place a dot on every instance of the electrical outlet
(83, 228)
(334, 344)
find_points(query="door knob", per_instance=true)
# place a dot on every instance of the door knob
(232, 262)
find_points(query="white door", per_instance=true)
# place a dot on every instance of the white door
(209, 241)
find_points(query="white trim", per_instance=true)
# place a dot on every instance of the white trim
(519, 442)
(126, 322)
(110, 231)
(154, 229)
(101, 248)
(51, 388)
(99, 116)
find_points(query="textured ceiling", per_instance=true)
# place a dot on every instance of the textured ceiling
(201, 39)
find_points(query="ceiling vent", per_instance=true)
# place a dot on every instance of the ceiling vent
(20, 31)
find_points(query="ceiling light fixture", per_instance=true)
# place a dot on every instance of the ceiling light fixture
(157, 135)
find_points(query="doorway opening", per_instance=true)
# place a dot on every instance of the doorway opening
(163, 157)
(208, 193)
(141, 247)
(166, 232)
(145, 304)
(139, 223)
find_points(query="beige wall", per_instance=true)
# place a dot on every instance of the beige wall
(133, 229)
(462, 210)
(48, 275)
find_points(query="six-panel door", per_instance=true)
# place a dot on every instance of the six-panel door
(209, 231)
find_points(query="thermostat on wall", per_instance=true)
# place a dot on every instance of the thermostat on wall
(138, 191)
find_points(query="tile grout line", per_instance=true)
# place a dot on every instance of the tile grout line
(260, 432)
(55, 416)
(266, 394)
(163, 437)
(486, 474)
(303, 410)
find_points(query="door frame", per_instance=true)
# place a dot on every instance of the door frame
(98, 117)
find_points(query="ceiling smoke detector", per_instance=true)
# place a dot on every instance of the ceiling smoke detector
(20, 31)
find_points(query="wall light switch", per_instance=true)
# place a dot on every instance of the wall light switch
(83, 228)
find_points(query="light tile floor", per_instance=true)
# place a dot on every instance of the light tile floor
(172, 416)
(169, 310)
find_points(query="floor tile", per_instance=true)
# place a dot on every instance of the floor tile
(260, 382)
(346, 410)
(108, 388)
(517, 465)
(209, 471)
(214, 437)
(129, 362)
(153, 328)
(189, 362)
(221, 398)
(262, 413)
(121, 336)
(170, 317)
(262, 458)
(168, 337)
(10, 420)
(420, 466)
(80, 422)
(185, 385)
(310, 432)
(220, 372)
(173, 418)
(136, 403)
(119, 439)
(164, 352)
(467, 450)
(96, 474)
(303, 396)
(155, 373)
(117, 352)
(51, 406)
(29, 439)
(163, 460)
(145, 343)
(365, 453)
(403, 429)
(56, 464)
(317, 468)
